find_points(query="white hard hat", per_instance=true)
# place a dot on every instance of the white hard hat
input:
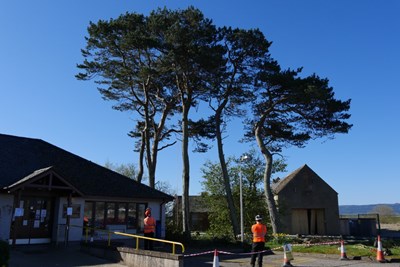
(258, 218)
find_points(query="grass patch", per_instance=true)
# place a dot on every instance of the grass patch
(390, 219)
(353, 249)
(360, 248)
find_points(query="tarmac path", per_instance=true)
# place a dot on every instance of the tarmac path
(304, 260)
(71, 256)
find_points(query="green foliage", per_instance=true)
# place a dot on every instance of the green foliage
(4, 253)
(128, 170)
(363, 248)
(171, 60)
(281, 239)
(383, 210)
(390, 219)
(215, 198)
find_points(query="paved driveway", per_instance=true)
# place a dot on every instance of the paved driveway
(302, 260)
(71, 256)
(48, 256)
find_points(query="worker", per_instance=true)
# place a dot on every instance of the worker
(149, 229)
(259, 231)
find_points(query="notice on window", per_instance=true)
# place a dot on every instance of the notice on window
(19, 212)
(69, 211)
(43, 213)
(36, 224)
(25, 222)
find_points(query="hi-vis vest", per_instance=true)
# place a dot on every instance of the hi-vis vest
(259, 231)
(149, 225)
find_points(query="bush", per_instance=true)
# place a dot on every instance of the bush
(4, 253)
(281, 239)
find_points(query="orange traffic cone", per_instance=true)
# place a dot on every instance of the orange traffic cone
(379, 252)
(216, 259)
(287, 255)
(343, 255)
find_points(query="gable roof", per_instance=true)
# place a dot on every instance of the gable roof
(297, 173)
(23, 158)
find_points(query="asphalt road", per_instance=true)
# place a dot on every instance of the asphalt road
(304, 260)
(40, 256)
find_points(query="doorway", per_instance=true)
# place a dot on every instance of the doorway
(308, 221)
(35, 224)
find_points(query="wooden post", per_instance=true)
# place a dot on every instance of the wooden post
(69, 205)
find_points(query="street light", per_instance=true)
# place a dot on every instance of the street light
(243, 158)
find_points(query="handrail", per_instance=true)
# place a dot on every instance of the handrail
(154, 239)
(109, 233)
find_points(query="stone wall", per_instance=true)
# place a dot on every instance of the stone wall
(135, 257)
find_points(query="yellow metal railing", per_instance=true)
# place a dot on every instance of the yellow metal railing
(153, 239)
(88, 230)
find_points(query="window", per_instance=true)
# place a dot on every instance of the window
(110, 213)
(132, 223)
(101, 214)
(121, 216)
(88, 214)
(141, 207)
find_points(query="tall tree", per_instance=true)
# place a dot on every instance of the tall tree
(291, 110)
(123, 56)
(192, 58)
(232, 89)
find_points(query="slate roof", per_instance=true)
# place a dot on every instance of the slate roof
(296, 173)
(21, 157)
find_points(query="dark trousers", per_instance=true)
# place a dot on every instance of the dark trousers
(257, 246)
(148, 244)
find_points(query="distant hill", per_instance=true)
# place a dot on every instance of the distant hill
(364, 209)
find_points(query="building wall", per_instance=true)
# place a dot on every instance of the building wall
(76, 221)
(6, 211)
(75, 231)
(309, 192)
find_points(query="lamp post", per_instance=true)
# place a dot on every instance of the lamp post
(243, 158)
(241, 207)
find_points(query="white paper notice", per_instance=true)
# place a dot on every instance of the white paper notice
(19, 212)
(69, 211)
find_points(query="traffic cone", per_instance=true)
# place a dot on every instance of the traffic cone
(343, 255)
(287, 255)
(216, 259)
(379, 251)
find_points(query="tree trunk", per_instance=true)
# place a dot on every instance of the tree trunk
(157, 137)
(269, 197)
(141, 155)
(149, 159)
(186, 168)
(227, 184)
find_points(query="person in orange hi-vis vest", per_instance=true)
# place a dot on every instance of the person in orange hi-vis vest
(149, 229)
(259, 231)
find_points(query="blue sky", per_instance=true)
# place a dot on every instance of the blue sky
(355, 44)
